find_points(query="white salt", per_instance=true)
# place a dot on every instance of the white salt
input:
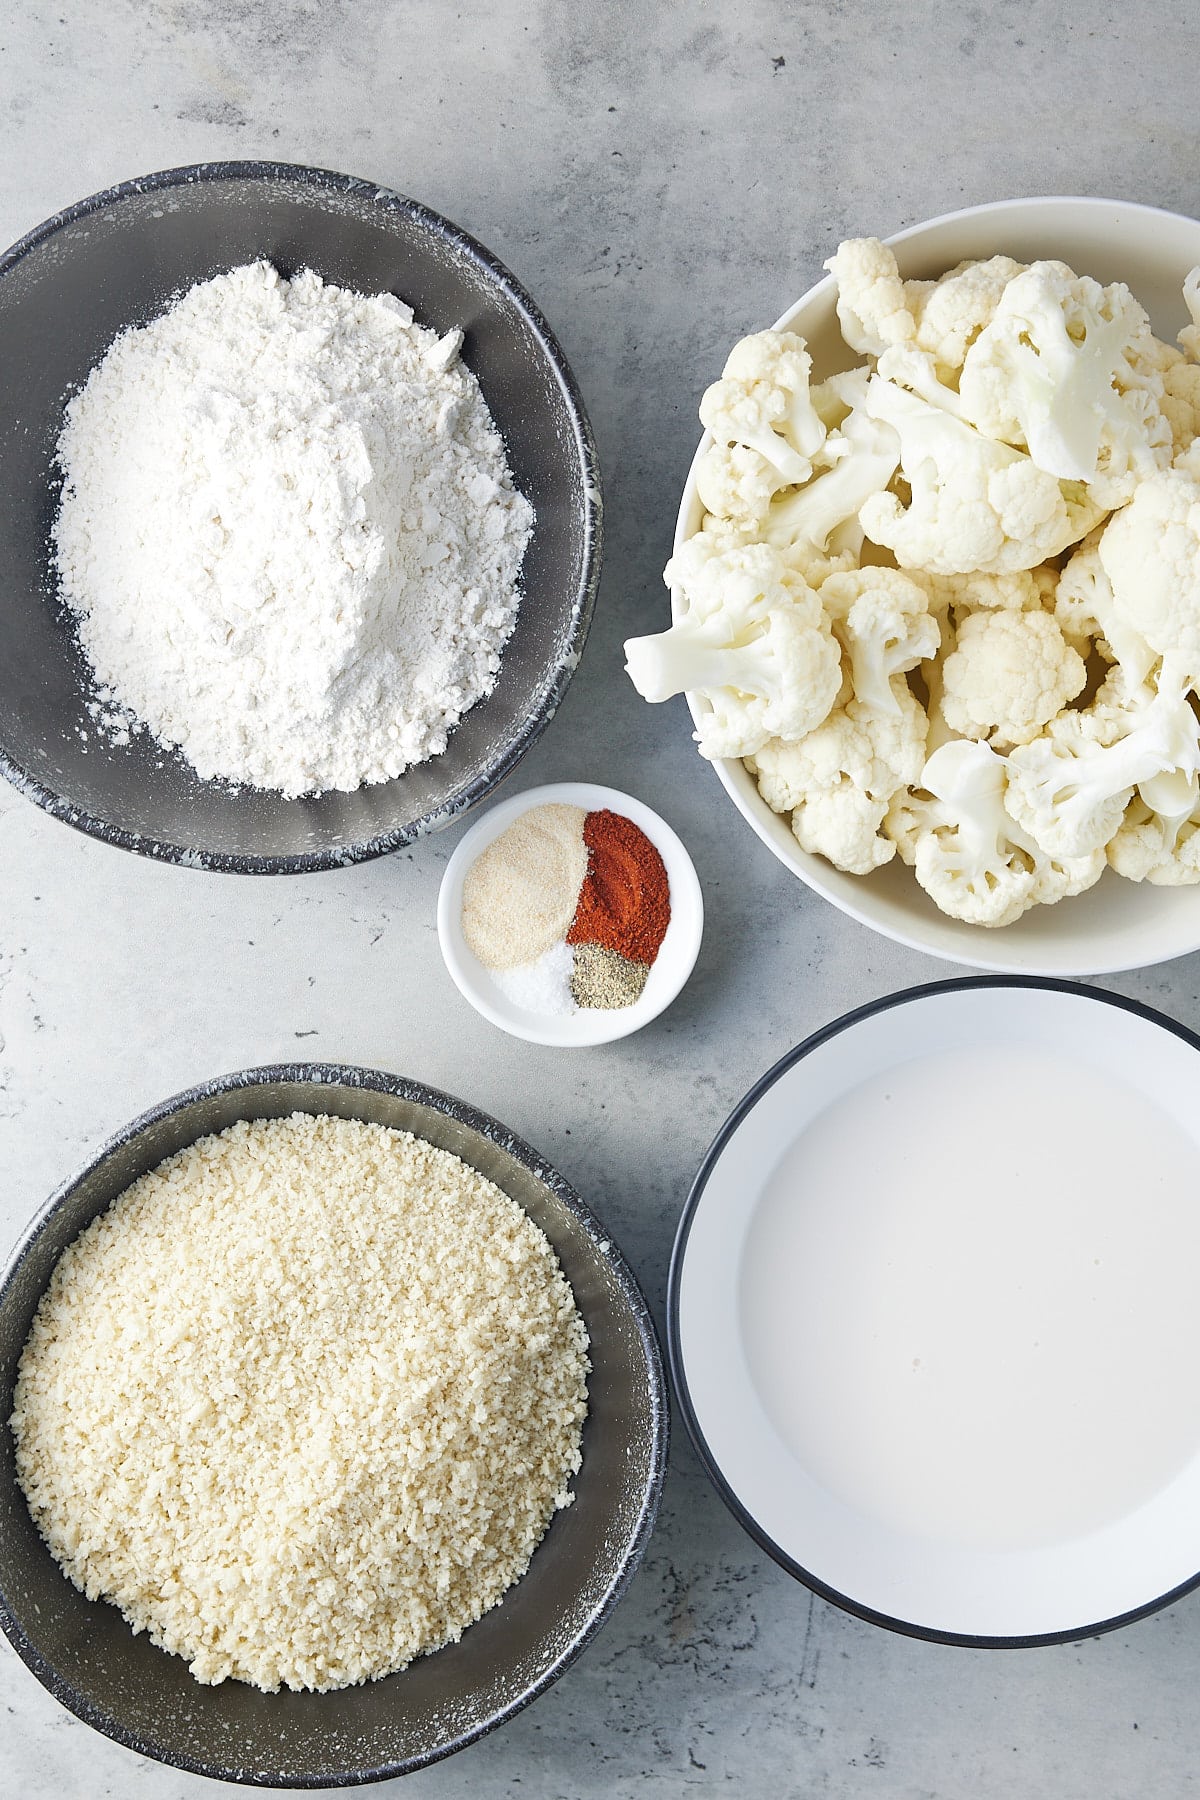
(543, 986)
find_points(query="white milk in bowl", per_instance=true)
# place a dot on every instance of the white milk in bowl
(967, 1298)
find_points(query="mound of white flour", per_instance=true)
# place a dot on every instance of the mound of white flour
(289, 533)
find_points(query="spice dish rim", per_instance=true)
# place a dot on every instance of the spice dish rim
(671, 968)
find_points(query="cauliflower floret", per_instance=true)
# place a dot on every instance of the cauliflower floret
(866, 455)
(1160, 847)
(762, 403)
(881, 618)
(1116, 708)
(834, 398)
(1068, 370)
(1084, 607)
(1021, 590)
(958, 307)
(1008, 675)
(798, 556)
(975, 504)
(972, 860)
(1111, 714)
(916, 370)
(1150, 552)
(752, 639)
(1181, 402)
(1069, 802)
(873, 308)
(779, 360)
(766, 427)
(838, 781)
(736, 483)
(1069, 791)
(939, 732)
(1189, 337)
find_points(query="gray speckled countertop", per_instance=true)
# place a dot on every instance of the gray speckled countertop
(662, 178)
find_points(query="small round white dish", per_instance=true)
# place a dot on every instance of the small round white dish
(668, 972)
(931, 1312)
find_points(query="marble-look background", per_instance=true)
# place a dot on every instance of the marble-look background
(663, 177)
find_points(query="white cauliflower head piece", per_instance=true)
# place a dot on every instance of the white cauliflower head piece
(762, 403)
(1181, 403)
(799, 557)
(873, 307)
(1018, 590)
(1150, 552)
(956, 309)
(737, 483)
(837, 782)
(971, 858)
(1069, 789)
(882, 619)
(1009, 674)
(974, 504)
(865, 454)
(1189, 337)
(752, 641)
(1085, 608)
(1069, 370)
(1162, 848)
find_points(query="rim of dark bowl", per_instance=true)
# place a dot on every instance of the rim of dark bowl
(350, 1076)
(307, 862)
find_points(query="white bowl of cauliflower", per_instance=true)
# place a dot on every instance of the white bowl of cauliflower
(936, 585)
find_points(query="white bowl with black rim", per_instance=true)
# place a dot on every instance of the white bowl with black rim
(931, 1312)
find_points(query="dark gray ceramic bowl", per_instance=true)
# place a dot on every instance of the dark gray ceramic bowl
(84, 1652)
(118, 259)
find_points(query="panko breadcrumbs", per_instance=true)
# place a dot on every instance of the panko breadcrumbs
(302, 1402)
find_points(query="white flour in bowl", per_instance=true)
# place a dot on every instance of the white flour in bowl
(288, 532)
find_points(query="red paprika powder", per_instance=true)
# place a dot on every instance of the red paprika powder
(625, 901)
